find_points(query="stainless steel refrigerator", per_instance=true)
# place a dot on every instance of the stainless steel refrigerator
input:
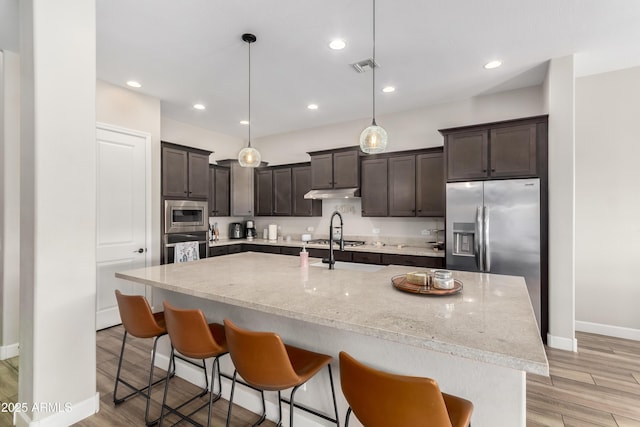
(494, 227)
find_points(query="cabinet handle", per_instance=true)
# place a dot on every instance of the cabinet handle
(484, 170)
(493, 170)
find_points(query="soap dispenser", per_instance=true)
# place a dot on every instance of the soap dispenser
(304, 257)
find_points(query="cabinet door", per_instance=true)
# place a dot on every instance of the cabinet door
(374, 187)
(175, 166)
(219, 191)
(264, 192)
(241, 190)
(198, 175)
(513, 151)
(402, 186)
(282, 191)
(322, 171)
(301, 184)
(467, 155)
(430, 184)
(346, 173)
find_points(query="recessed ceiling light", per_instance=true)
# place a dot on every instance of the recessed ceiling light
(199, 107)
(389, 89)
(337, 44)
(133, 83)
(492, 64)
(312, 106)
(244, 122)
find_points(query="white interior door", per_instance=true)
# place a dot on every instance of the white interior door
(121, 216)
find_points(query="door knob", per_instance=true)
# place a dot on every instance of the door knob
(139, 251)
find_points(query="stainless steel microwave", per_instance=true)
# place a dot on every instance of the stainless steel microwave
(185, 216)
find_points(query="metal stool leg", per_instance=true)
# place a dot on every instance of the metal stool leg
(233, 387)
(333, 395)
(346, 419)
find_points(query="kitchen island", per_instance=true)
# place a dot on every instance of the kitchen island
(478, 344)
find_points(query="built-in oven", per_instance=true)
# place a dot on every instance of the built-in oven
(185, 216)
(172, 239)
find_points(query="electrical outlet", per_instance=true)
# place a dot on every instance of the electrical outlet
(425, 232)
(376, 231)
(310, 229)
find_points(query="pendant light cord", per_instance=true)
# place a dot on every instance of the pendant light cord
(373, 66)
(249, 93)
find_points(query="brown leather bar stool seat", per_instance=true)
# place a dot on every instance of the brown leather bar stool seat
(267, 364)
(194, 338)
(381, 399)
(139, 321)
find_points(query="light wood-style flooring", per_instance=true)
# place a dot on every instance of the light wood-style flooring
(598, 386)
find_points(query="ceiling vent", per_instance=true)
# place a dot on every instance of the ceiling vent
(365, 65)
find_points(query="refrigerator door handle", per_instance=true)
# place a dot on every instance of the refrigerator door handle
(478, 243)
(486, 240)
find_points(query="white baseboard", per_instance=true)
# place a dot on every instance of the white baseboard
(242, 396)
(610, 330)
(562, 343)
(9, 351)
(75, 413)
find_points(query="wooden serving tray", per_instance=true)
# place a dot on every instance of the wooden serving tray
(400, 283)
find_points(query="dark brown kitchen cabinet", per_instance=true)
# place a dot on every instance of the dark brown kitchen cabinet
(301, 185)
(219, 190)
(499, 150)
(367, 258)
(282, 191)
(218, 251)
(374, 187)
(402, 186)
(413, 261)
(263, 191)
(185, 172)
(430, 184)
(335, 169)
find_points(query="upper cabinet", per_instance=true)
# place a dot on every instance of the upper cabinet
(404, 184)
(280, 190)
(510, 149)
(335, 169)
(219, 190)
(241, 199)
(185, 172)
(301, 185)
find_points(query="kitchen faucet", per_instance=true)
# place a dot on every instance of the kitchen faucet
(331, 261)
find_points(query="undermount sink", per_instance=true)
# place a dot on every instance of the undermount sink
(352, 266)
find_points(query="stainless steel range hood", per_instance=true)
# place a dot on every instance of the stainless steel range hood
(339, 193)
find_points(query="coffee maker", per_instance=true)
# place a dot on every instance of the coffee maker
(250, 230)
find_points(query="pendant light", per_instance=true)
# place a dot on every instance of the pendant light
(249, 157)
(374, 138)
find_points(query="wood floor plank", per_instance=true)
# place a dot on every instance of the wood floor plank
(626, 422)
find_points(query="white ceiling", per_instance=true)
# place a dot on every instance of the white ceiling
(432, 51)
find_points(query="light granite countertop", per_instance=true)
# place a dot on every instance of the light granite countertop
(398, 249)
(490, 321)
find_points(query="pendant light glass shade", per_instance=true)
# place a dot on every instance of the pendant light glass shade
(374, 138)
(249, 157)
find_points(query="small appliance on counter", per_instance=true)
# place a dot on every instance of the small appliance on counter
(236, 230)
(250, 230)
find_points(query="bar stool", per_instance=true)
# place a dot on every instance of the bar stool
(267, 364)
(381, 399)
(193, 337)
(139, 321)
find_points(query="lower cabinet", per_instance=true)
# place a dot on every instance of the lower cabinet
(413, 261)
(347, 256)
(367, 258)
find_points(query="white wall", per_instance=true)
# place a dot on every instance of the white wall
(126, 108)
(58, 210)
(559, 99)
(608, 203)
(223, 146)
(408, 130)
(9, 203)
